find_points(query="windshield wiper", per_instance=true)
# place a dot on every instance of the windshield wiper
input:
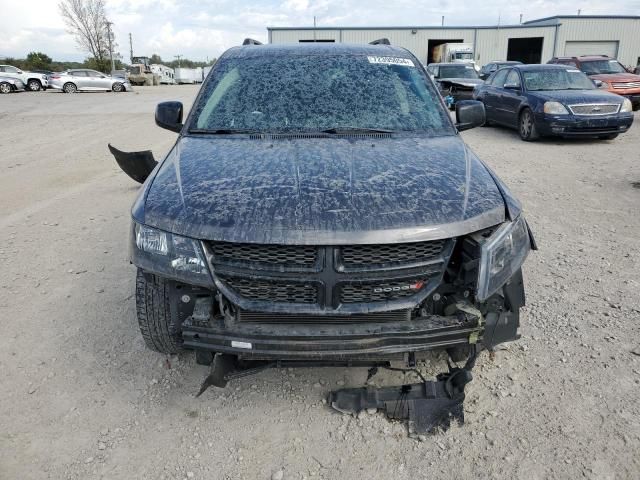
(342, 130)
(223, 131)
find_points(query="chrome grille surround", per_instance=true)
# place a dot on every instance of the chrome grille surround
(595, 108)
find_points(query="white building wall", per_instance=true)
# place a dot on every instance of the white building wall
(490, 43)
(625, 31)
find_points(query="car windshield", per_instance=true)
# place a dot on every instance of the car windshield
(594, 67)
(556, 79)
(457, 71)
(312, 92)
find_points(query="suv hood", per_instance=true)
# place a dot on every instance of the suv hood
(616, 77)
(321, 190)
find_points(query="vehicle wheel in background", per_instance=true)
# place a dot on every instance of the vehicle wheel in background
(34, 85)
(117, 87)
(527, 126)
(154, 314)
(611, 136)
(5, 87)
(69, 88)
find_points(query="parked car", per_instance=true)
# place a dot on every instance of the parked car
(33, 81)
(456, 81)
(614, 76)
(320, 205)
(491, 67)
(9, 85)
(80, 79)
(541, 100)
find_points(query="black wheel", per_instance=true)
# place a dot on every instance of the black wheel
(527, 126)
(117, 87)
(34, 85)
(154, 314)
(611, 136)
(5, 87)
(69, 88)
(635, 107)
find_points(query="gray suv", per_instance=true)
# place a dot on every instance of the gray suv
(72, 81)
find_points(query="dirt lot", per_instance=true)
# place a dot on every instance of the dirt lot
(82, 397)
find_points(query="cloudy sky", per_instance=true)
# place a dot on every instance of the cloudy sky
(199, 29)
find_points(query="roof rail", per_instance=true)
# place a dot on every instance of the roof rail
(380, 41)
(251, 41)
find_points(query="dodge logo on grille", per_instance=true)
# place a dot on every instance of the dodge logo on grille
(399, 288)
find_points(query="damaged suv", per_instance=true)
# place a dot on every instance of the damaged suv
(319, 207)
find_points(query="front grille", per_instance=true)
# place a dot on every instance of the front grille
(272, 291)
(354, 256)
(594, 109)
(267, 317)
(380, 291)
(625, 85)
(275, 255)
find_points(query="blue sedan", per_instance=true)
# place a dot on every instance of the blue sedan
(544, 100)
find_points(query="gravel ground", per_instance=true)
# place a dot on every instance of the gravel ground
(83, 398)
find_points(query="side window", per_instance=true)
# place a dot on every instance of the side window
(93, 73)
(2, 69)
(499, 78)
(10, 69)
(512, 78)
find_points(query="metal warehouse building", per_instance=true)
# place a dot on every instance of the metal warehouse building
(535, 41)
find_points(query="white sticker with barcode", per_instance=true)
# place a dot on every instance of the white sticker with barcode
(246, 345)
(406, 62)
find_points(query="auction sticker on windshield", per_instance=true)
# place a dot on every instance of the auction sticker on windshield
(392, 61)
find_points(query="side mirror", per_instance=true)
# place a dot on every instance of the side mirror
(20, 72)
(512, 86)
(469, 114)
(597, 83)
(169, 116)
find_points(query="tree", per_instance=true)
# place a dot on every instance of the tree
(86, 20)
(39, 61)
(155, 58)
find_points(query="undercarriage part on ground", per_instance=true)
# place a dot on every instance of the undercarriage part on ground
(427, 406)
(138, 165)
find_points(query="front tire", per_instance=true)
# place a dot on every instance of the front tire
(5, 87)
(117, 87)
(69, 88)
(527, 126)
(154, 314)
(34, 85)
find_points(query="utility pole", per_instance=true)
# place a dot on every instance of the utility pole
(520, 18)
(178, 57)
(442, 20)
(130, 49)
(113, 65)
(314, 28)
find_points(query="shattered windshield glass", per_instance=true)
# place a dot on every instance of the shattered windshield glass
(594, 67)
(556, 80)
(457, 71)
(319, 92)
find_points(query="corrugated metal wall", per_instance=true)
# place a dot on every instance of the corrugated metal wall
(491, 43)
(625, 31)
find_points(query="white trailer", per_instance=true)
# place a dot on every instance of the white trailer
(453, 53)
(188, 75)
(165, 74)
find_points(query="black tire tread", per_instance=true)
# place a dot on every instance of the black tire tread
(154, 314)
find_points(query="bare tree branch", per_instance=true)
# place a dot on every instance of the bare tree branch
(86, 21)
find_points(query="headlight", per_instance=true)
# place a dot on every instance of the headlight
(170, 255)
(502, 255)
(555, 108)
(604, 85)
(626, 106)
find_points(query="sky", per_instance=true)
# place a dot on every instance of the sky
(203, 29)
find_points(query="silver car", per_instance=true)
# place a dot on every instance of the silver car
(9, 84)
(78, 79)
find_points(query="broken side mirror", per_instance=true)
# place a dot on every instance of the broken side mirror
(469, 114)
(169, 116)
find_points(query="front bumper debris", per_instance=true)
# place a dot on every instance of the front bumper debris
(426, 406)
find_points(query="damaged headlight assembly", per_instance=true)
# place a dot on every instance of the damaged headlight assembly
(502, 255)
(171, 255)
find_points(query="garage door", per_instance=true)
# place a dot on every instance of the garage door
(575, 49)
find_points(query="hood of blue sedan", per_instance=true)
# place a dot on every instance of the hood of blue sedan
(576, 97)
(321, 190)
